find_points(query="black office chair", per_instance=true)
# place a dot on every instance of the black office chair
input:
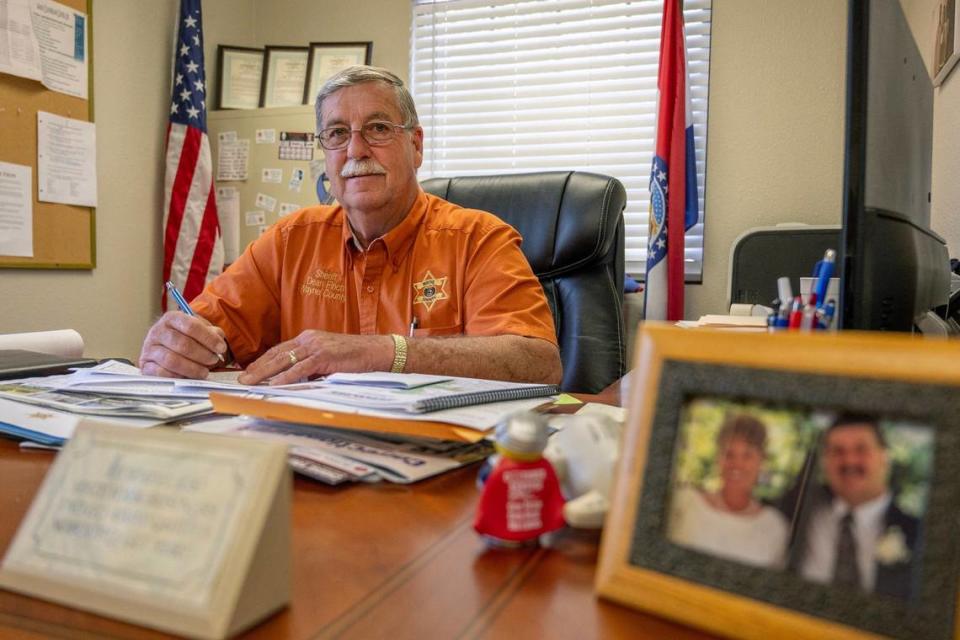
(572, 228)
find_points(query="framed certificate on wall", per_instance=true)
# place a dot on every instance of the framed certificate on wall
(327, 58)
(239, 74)
(285, 71)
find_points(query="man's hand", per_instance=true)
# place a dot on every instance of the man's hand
(181, 346)
(316, 353)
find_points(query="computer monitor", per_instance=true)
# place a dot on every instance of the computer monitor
(893, 267)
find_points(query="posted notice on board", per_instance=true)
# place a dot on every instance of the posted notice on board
(66, 160)
(16, 210)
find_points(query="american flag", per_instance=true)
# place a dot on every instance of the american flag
(673, 178)
(192, 245)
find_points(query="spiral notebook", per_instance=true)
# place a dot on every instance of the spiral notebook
(430, 393)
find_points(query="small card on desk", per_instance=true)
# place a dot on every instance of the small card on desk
(185, 533)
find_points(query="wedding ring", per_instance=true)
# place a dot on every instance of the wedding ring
(293, 357)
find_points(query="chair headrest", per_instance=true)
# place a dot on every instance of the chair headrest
(567, 218)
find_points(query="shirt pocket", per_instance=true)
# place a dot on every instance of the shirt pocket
(425, 332)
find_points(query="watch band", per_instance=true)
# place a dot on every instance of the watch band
(399, 353)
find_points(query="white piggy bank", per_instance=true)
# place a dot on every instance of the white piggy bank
(583, 454)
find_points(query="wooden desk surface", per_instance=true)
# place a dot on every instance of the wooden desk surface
(378, 561)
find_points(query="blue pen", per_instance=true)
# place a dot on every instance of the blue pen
(828, 310)
(185, 307)
(824, 275)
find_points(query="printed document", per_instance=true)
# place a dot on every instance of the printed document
(228, 211)
(16, 210)
(62, 36)
(66, 160)
(19, 51)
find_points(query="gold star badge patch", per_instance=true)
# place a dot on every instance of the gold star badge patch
(429, 290)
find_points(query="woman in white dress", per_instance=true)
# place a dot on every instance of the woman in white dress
(731, 523)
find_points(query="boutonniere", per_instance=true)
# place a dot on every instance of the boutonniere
(892, 547)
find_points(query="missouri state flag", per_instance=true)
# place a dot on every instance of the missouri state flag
(673, 179)
(192, 244)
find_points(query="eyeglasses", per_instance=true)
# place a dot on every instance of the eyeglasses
(376, 133)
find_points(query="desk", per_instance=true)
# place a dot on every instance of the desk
(378, 561)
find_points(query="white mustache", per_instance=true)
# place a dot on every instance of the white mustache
(366, 167)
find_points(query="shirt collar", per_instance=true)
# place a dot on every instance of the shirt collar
(398, 240)
(867, 513)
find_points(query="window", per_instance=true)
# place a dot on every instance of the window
(511, 86)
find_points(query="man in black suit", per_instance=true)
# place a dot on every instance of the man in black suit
(851, 533)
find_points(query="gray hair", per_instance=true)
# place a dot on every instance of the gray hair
(359, 74)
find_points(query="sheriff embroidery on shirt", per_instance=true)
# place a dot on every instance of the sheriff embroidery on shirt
(324, 284)
(430, 290)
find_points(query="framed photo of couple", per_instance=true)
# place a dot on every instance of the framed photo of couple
(799, 486)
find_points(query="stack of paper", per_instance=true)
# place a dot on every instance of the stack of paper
(439, 407)
(48, 409)
(335, 456)
(402, 427)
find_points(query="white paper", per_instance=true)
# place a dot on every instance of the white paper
(266, 202)
(232, 160)
(401, 462)
(287, 208)
(19, 51)
(386, 379)
(480, 417)
(66, 343)
(62, 35)
(262, 230)
(296, 179)
(228, 211)
(274, 176)
(66, 160)
(255, 218)
(289, 73)
(30, 419)
(16, 210)
(266, 136)
(241, 80)
(227, 136)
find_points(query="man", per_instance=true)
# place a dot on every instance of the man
(857, 536)
(391, 279)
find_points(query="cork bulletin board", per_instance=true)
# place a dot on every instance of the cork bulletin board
(64, 236)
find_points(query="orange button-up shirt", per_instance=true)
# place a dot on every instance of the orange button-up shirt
(456, 271)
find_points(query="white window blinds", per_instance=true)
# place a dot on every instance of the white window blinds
(511, 86)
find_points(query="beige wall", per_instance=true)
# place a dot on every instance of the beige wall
(774, 154)
(112, 305)
(775, 126)
(384, 22)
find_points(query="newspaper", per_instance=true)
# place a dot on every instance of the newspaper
(396, 459)
(88, 403)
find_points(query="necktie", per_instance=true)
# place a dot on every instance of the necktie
(846, 572)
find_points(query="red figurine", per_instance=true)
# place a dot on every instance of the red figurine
(521, 499)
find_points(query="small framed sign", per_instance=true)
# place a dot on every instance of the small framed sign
(799, 486)
(186, 533)
(239, 74)
(327, 58)
(284, 76)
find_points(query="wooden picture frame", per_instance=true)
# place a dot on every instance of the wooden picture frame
(239, 77)
(902, 382)
(328, 58)
(284, 76)
(947, 44)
